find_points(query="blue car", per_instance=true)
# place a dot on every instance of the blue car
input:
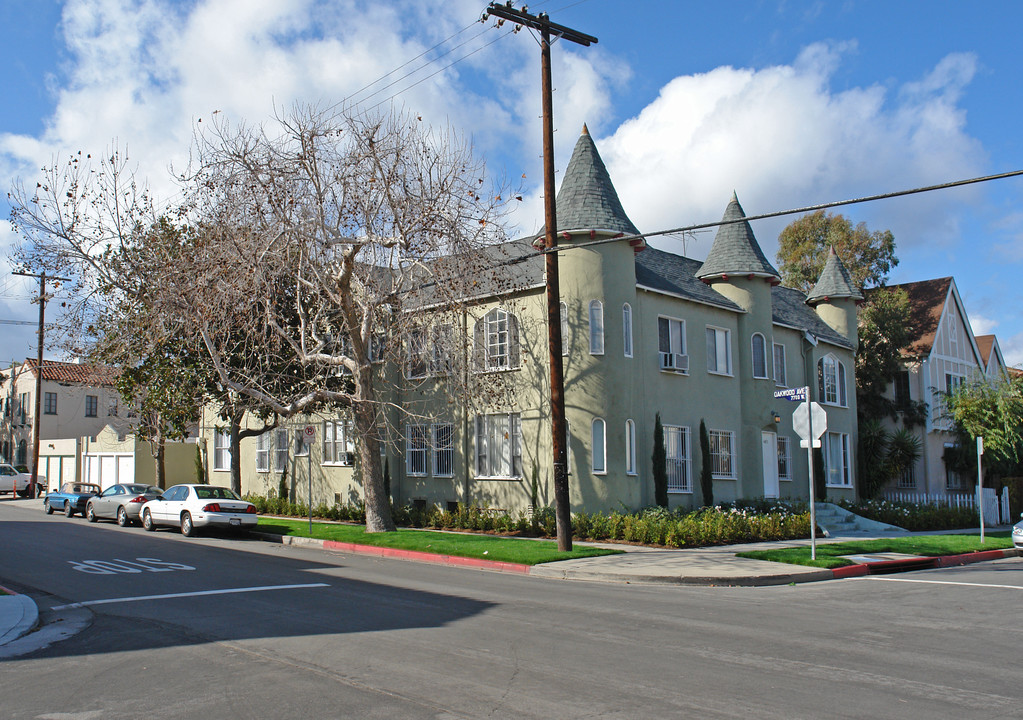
(72, 498)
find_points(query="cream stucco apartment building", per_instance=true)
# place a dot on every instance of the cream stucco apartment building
(646, 332)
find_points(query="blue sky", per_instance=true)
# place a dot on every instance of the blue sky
(787, 103)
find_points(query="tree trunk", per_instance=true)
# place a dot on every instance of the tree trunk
(378, 507)
(236, 453)
(161, 460)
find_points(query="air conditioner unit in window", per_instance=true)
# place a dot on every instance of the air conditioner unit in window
(674, 361)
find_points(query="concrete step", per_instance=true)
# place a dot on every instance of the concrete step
(834, 520)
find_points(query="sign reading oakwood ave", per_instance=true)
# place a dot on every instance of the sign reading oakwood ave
(791, 394)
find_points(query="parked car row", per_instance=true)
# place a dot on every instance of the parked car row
(188, 507)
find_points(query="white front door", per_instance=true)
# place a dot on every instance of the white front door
(769, 447)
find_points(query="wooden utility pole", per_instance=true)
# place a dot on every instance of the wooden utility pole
(559, 438)
(37, 413)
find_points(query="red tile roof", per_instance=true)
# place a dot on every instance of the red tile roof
(94, 375)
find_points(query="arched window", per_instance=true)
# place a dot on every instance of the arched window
(759, 355)
(496, 341)
(627, 329)
(599, 447)
(831, 381)
(596, 327)
(630, 447)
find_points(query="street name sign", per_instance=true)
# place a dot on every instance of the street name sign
(791, 394)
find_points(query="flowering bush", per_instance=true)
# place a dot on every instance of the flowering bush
(912, 516)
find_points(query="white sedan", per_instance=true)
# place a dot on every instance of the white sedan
(190, 507)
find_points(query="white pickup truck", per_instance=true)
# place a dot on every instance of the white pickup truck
(12, 481)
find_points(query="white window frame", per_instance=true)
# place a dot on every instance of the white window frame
(264, 443)
(780, 373)
(336, 443)
(443, 452)
(627, 329)
(417, 450)
(301, 446)
(280, 450)
(784, 458)
(719, 349)
(596, 327)
(837, 460)
(221, 450)
(760, 356)
(498, 457)
(676, 337)
(416, 359)
(630, 447)
(722, 460)
(598, 446)
(564, 329)
(678, 457)
(831, 381)
(499, 349)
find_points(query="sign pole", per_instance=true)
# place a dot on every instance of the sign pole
(980, 487)
(809, 461)
(308, 436)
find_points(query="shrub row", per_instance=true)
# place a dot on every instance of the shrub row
(912, 516)
(753, 521)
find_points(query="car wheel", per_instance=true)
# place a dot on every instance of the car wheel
(47, 507)
(122, 517)
(90, 513)
(187, 528)
(147, 521)
(68, 510)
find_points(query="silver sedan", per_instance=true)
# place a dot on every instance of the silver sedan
(120, 502)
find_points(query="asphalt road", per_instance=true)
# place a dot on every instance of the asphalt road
(166, 627)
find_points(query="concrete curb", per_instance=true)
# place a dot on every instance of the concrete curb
(21, 612)
(395, 554)
(550, 570)
(886, 567)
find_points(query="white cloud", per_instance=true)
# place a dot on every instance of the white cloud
(781, 138)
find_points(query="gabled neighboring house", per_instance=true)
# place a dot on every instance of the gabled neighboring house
(943, 354)
(646, 332)
(77, 400)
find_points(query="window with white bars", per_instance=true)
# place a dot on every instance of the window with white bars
(722, 454)
(417, 445)
(443, 450)
(678, 459)
(784, 458)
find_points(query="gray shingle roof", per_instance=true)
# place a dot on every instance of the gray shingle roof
(735, 250)
(675, 274)
(834, 282)
(587, 199)
(788, 307)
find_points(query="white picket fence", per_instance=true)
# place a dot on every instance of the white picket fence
(996, 510)
(918, 498)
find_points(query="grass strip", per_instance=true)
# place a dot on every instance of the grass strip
(483, 547)
(926, 545)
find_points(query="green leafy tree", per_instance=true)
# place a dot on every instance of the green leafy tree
(706, 469)
(660, 464)
(803, 249)
(993, 411)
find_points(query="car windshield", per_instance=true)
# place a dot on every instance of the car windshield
(85, 489)
(215, 493)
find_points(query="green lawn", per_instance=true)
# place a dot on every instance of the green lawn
(484, 547)
(927, 545)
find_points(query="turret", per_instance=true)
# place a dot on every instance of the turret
(835, 298)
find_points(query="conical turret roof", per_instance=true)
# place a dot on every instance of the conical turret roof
(735, 250)
(834, 282)
(587, 199)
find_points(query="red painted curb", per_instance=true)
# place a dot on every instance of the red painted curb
(849, 571)
(8, 590)
(420, 556)
(974, 557)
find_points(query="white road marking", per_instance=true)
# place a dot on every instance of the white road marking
(227, 591)
(943, 582)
